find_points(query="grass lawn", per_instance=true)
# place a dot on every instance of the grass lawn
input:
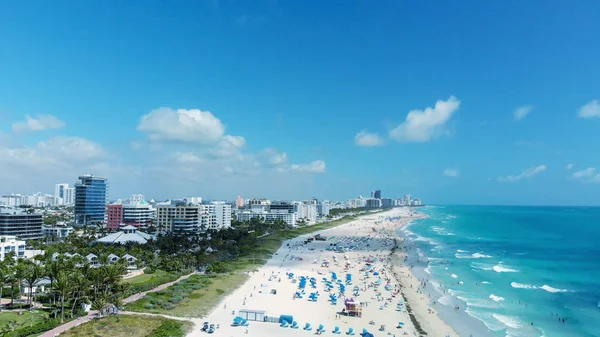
(144, 278)
(126, 326)
(198, 295)
(24, 319)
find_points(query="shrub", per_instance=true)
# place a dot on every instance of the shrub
(220, 291)
(168, 306)
(175, 299)
(168, 329)
(36, 329)
(149, 306)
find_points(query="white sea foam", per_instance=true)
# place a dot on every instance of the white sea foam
(501, 269)
(485, 282)
(472, 256)
(553, 290)
(445, 300)
(522, 286)
(544, 287)
(509, 321)
(481, 266)
(478, 303)
(496, 298)
(486, 317)
(454, 276)
(461, 251)
(427, 270)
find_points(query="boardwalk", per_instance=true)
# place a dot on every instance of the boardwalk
(92, 314)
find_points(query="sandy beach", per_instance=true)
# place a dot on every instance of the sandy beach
(380, 284)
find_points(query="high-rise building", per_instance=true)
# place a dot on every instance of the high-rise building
(193, 200)
(91, 195)
(220, 213)
(239, 202)
(20, 223)
(373, 203)
(137, 214)
(387, 202)
(376, 194)
(69, 196)
(60, 193)
(323, 208)
(181, 218)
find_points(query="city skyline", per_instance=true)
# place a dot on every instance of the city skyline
(289, 101)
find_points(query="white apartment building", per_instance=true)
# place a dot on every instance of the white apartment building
(137, 198)
(64, 195)
(306, 210)
(193, 200)
(57, 232)
(190, 219)
(9, 243)
(323, 208)
(289, 218)
(222, 215)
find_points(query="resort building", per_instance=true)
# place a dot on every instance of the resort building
(64, 194)
(276, 210)
(20, 223)
(373, 203)
(125, 235)
(91, 195)
(387, 202)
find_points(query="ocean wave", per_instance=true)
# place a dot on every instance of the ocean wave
(461, 251)
(454, 276)
(472, 256)
(481, 266)
(486, 282)
(427, 270)
(544, 287)
(478, 303)
(553, 290)
(486, 317)
(496, 298)
(508, 321)
(502, 269)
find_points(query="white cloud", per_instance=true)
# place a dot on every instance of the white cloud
(522, 111)
(273, 157)
(451, 173)
(590, 110)
(317, 166)
(187, 158)
(365, 138)
(39, 123)
(588, 172)
(425, 125)
(526, 174)
(228, 146)
(570, 166)
(589, 175)
(182, 125)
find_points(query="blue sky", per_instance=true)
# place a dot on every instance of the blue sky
(295, 99)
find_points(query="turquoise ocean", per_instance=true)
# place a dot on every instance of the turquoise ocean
(511, 271)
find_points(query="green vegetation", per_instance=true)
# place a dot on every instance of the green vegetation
(12, 320)
(130, 326)
(147, 277)
(193, 297)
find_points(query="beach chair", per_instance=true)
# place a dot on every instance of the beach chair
(294, 325)
(337, 330)
(350, 332)
(307, 327)
(284, 324)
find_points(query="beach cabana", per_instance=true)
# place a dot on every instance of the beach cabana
(252, 315)
(239, 321)
(307, 327)
(337, 330)
(321, 329)
(294, 325)
(350, 332)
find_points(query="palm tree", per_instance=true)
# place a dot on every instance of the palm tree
(62, 286)
(18, 277)
(33, 273)
(5, 273)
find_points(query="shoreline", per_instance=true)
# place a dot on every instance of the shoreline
(372, 256)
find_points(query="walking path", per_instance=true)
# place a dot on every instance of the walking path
(93, 313)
